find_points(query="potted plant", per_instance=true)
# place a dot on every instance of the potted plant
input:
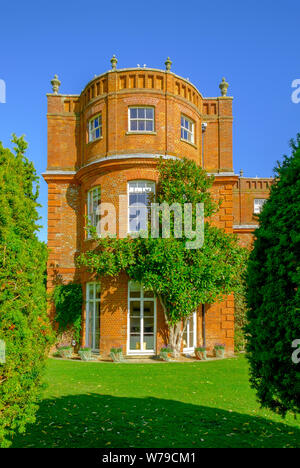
(117, 354)
(165, 354)
(201, 353)
(65, 352)
(219, 350)
(85, 354)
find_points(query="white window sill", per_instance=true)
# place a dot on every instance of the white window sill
(140, 133)
(94, 141)
(188, 142)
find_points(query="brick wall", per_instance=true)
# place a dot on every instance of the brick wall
(75, 166)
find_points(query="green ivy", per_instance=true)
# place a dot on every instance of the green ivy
(68, 301)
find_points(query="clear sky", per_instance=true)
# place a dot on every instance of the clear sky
(254, 44)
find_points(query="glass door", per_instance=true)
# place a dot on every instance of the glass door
(93, 316)
(141, 320)
(190, 334)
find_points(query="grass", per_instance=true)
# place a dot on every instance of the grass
(154, 405)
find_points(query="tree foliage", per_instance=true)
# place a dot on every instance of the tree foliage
(181, 278)
(24, 324)
(273, 291)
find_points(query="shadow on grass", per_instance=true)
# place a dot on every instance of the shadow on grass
(93, 420)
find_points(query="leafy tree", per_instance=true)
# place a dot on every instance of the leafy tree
(240, 312)
(24, 324)
(273, 291)
(181, 278)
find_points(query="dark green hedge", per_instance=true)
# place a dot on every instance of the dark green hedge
(273, 292)
(24, 324)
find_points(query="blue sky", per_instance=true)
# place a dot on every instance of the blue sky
(255, 45)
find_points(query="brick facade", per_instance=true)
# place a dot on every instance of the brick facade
(76, 165)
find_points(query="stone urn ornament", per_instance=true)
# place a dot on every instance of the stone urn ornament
(114, 62)
(224, 87)
(168, 64)
(55, 84)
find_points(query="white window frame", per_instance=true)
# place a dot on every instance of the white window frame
(93, 129)
(92, 215)
(141, 299)
(258, 205)
(93, 301)
(141, 119)
(190, 131)
(142, 181)
(190, 349)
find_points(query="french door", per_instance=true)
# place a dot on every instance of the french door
(92, 339)
(190, 334)
(141, 320)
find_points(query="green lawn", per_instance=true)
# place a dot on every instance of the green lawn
(154, 405)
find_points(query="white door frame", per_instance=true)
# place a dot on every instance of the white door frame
(190, 349)
(87, 313)
(141, 300)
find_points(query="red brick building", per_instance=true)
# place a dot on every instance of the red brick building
(104, 143)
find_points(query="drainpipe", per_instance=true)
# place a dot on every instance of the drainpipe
(204, 127)
(203, 327)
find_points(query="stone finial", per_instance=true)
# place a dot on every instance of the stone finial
(224, 87)
(55, 84)
(113, 62)
(241, 173)
(168, 64)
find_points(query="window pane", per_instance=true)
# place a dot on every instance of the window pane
(149, 309)
(141, 125)
(97, 133)
(97, 325)
(133, 198)
(96, 123)
(89, 323)
(91, 291)
(135, 342)
(141, 113)
(135, 325)
(98, 291)
(149, 113)
(135, 308)
(149, 126)
(133, 286)
(133, 126)
(133, 113)
(148, 342)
